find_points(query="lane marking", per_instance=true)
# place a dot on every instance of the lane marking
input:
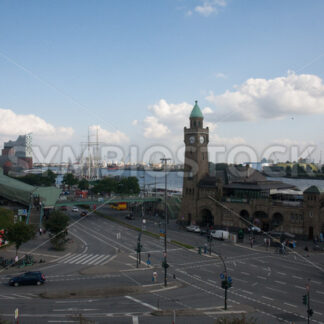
(282, 273)
(265, 297)
(61, 258)
(317, 282)
(135, 319)
(245, 273)
(290, 305)
(320, 292)
(142, 303)
(277, 290)
(163, 289)
(280, 282)
(260, 277)
(296, 277)
(299, 287)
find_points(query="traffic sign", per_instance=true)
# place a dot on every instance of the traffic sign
(229, 279)
(222, 276)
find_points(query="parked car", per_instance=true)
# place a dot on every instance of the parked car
(193, 228)
(63, 208)
(28, 278)
(84, 213)
(75, 209)
(130, 217)
(219, 234)
(254, 229)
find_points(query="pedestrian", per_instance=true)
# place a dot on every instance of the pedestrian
(16, 258)
(40, 231)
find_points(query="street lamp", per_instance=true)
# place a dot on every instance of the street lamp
(164, 263)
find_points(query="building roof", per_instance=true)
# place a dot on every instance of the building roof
(259, 185)
(313, 190)
(196, 112)
(20, 192)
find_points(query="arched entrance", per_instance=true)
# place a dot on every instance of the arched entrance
(277, 220)
(245, 215)
(261, 219)
(206, 217)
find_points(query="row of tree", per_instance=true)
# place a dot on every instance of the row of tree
(106, 185)
(20, 232)
(46, 179)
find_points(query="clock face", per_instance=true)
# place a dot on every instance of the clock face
(192, 139)
(202, 139)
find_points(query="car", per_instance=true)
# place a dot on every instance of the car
(28, 278)
(130, 217)
(219, 234)
(75, 209)
(63, 208)
(84, 213)
(193, 228)
(254, 229)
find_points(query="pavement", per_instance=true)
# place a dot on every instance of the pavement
(96, 276)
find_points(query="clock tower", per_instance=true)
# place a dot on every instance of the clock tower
(196, 139)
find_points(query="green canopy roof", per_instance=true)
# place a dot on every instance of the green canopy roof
(312, 189)
(196, 112)
(21, 192)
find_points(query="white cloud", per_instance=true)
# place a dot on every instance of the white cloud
(209, 6)
(107, 137)
(220, 75)
(167, 121)
(154, 128)
(135, 122)
(270, 99)
(12, 124)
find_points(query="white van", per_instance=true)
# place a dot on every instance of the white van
(219, 234)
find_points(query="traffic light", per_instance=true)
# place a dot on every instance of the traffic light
(139, 247)
(165, 265)
(224, 284)
(310, 312)
(305, 299)
(229, 284)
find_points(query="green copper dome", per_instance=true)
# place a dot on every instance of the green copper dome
(196, 112)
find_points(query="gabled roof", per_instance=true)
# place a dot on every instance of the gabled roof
(313, 190)
(196, 112)
(21, 192)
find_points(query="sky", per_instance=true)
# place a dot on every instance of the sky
(133, 70)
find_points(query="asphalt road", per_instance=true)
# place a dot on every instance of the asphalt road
(97, 277)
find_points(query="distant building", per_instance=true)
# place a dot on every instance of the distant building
(234, 194)
(16, 155)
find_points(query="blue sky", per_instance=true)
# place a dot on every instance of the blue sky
(135, 68)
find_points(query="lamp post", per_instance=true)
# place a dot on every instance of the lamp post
(164, 263)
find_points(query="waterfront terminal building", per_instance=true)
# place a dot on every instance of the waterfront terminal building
(225, 198)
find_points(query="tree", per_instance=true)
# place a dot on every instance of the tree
(47, 178)
(288, 171)
(83, 184)
(20, 233)
(56, 225)
(70, 180)
(128, 185)
(6, 218)
(106, 185)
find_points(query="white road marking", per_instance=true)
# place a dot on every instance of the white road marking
(142, 303)
(317, 282)
(62, 257)
(238, 279)
(299, 287)
(282, 273)
(135, 319)
(277, 290)
(260, 277)
(163, 289)
(247, 292)
(6, 297)
(265, 297)
(280, 282)
(318, 313)
(99, 259)
(320, 292)
(74, 258)
(21, 296)
(245, 273)
(296, 277)
(89, 259)
(291, 305)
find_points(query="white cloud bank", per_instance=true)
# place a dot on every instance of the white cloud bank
(270, 99)
(167, 120)
(12, 124)
(107, 137)
(209, 6)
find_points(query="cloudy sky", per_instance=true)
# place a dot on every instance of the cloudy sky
(132, 70)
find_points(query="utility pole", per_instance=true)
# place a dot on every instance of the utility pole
(306, 301)
(226, 281)
(164, 263)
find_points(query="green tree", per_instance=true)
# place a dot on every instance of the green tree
(6, 218)
(106, 185)
(128, 185)
(83, 184)
(47, 178)
(70, 180)
(288, 171)
(20, 233)
(56, 225)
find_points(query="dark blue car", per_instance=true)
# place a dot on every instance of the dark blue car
(28, 278)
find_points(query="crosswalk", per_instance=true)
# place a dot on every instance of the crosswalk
(84, 258)
(18, 296)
